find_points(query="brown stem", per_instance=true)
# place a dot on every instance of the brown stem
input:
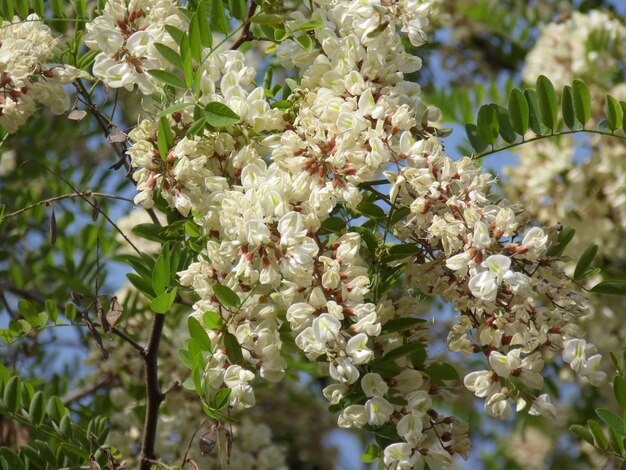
(154, 396)
(245, 34)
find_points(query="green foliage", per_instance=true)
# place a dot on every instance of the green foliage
(594, 431)
(65, 443)
(537, 109)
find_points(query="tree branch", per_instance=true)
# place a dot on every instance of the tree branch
(154, 396)
(245, 34)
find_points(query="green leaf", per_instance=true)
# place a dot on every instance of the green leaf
(37, 409)
(401, 351)
(237, 9)
(614, 113)
(221, 398)
(169, 54)
(440, 371)
(198, 333)
(40, 7)
(617, 441)
(582, 102)
(371, 454)
(177, 34)
(233, 350)
(474, 138)
(623, 106)
(565, 236)
(401, 324)
(534, 113)
(56, 409)
(219, 21)
(487, 123)
(518, 111)
(165, 138)
(226, 296)
(162, 303)
(585, 261)
(212, 320)
(619, 389)
(196, 127)
(12, 459)
(161, 275)
(369, 209)
(548, 106)
(401, 251)
(22, 8)
(267, 18)
(175, 108)
(506, 130)
(334, 225)
(610, 287)
(70, 311)
(305, 42)
(567, 108)
(219, 115)
(149, 231)
(611, 419)
(141, 283)
(598, 434)
(310, 25)
(194, 38)
(206, 37)
(582, 432)
(13, 394)
(168, 78)
(185, 52)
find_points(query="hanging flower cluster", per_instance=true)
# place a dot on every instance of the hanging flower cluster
(126, 34)
(26, 76)
(260, 186)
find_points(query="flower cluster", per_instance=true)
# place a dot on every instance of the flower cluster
(27, 78)
(261, 188)
(126, 34)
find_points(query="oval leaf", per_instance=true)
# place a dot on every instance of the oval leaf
(219, 115)
(585, 261)
(518, 111)
(582, 102)
(546, 96)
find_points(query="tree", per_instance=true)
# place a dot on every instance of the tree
(244, 213)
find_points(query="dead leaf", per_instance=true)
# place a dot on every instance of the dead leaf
(115, 311)
(209, 439)
(77, 114)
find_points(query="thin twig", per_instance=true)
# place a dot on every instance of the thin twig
(87, 390)
(245, 34)
(65, 196)
(540, 137)
(154, 397)
(193, 436)
(95, 207)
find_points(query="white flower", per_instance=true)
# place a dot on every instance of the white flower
(373, 385)
(484, 286)
(505, 365)
(354, 416)
(335, 392)
(410, 428)
(343, 371)
(326, 328)
(498, 264)
(378, 411)
(535, 242)
(357, 349)
(542, 406)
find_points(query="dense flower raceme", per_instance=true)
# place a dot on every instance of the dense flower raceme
(583, 190)
(126, 34)
(353, 116)
(27, 78)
